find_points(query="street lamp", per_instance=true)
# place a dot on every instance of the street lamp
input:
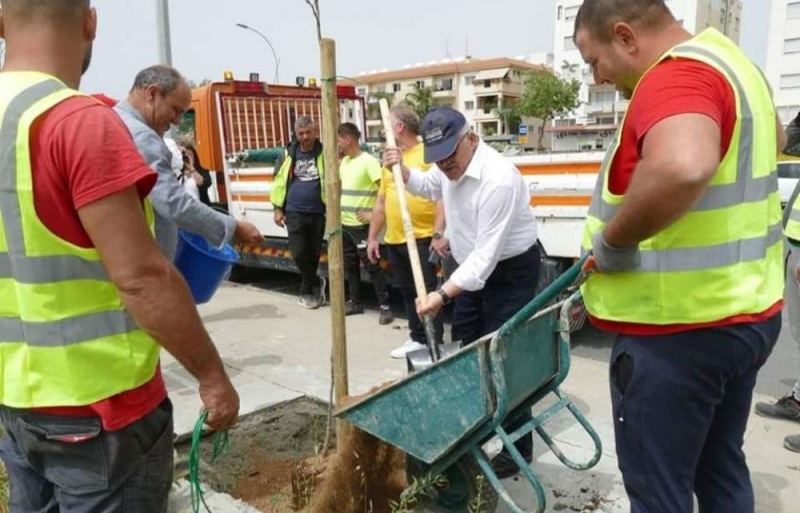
(275, 55)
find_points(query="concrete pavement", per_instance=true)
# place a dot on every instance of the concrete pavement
(276, 351)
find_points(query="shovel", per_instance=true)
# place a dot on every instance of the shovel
(433, 353)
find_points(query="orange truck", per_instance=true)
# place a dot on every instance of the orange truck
(236, 122)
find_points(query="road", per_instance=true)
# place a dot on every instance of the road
(775, 379)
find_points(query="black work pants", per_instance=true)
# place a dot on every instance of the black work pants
(306, 232)
(404, 276)
(354, 250)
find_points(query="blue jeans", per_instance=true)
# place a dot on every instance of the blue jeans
(70, 464)
(681, 404)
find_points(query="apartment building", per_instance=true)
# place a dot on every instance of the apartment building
(783, 57)
(592, 125)
(476, 87)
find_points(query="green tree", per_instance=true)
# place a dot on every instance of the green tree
(546, 96)
(421, 98)
(509, 117)
(194, 85)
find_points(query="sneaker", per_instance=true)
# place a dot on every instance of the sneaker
(505, 466)
(386, 315)
(353, 308)
(792, 443)
(785, 408)
(308, 301)
(406, 348)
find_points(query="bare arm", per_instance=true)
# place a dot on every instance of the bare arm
(376, 224)
(157, 297)
(680, 156)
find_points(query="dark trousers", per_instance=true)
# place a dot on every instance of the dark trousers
(59, 463)
(354, 256)
(404, 276)
(681, 404)
(510, 287)
(306, 232)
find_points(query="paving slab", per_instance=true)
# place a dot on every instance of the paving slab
(276, 351)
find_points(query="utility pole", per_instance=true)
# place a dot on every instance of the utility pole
(162, 27)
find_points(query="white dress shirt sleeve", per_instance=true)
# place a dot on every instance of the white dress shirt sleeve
(427, 184)
(496, 210)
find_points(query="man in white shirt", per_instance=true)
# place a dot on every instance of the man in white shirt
(492, 232)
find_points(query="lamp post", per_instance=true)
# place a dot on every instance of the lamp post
(274, 55)
(162, 24)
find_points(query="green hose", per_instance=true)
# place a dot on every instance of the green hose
(221, 444)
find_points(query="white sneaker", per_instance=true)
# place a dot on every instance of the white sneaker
(406, 348)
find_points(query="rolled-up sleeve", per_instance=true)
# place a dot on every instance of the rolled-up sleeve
(494, 223)
(427, 184)
(171, 202)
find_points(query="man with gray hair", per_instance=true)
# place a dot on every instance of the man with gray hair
(159, 97)
(298, 199)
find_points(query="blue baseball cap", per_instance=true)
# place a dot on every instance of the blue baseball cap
(442, 130)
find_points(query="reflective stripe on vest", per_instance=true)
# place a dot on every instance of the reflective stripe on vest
(723, 257)
(54, 294)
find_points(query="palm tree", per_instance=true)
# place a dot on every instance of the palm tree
(508, 117)
(421, 98)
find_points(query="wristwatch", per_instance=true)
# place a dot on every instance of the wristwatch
(437, 235)
(446, 299)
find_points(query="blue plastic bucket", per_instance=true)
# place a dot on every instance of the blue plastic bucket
(203, 266)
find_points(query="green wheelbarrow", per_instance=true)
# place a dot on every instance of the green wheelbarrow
(441, 416)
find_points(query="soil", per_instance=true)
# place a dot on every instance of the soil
(274, 464)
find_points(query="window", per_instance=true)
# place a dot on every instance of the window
(396, 87)
(598, 144)
(602, 96)
(791, 45)
(362, 91)
(569, 44)
(793, 11)
(469, 79)
(445, 85)
(606, 120)
(420, 83)
(565, 122)
(469, 105)
(790, 82)
(487, 84)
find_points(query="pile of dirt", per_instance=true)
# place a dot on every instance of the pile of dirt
(275, 466)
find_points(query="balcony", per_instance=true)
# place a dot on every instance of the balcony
(497, 87)
(485, 115)
(600, 108)
(443, 91)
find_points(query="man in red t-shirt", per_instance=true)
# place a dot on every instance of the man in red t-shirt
(88, 186)
(681, 391)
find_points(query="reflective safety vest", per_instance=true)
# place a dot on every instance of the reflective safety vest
(724, 257)
(283, 176)
(65, 337)
(792, 216)
(359, 190)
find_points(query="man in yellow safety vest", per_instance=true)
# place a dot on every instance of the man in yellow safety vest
(86, 297)
(685, 227)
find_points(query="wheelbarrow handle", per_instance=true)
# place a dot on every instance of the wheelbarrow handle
(562, 283)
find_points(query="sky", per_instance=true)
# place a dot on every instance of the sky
(369, 34)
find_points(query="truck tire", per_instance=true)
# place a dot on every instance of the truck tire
(549, 270)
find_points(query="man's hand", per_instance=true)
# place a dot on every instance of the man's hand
(441, 246)
(365, 216)
(280, 217)
(392, 156)
(613, 259)
(247, 233)
(373, 251)
(430, 305)
(221, 400)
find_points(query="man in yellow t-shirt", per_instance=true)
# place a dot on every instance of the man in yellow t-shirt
(360, 174)
(427, 218)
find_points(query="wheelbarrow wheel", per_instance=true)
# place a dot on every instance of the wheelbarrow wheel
(465, 488)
